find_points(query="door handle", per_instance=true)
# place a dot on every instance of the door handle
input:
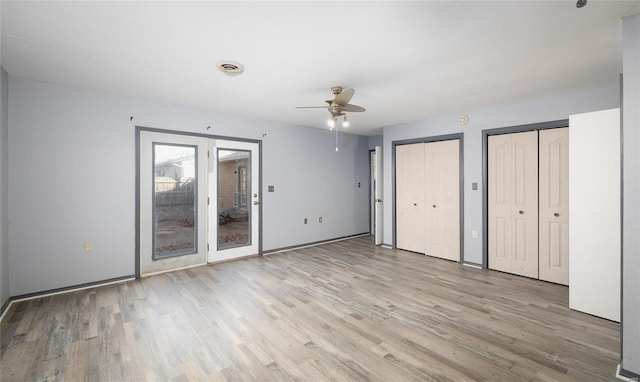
(255, 203)
(415, 204)
(521, 212)
(556, 214)
(434, 206)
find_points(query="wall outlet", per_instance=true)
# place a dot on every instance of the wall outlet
(88, 246)
(474, 234)
(320, 219)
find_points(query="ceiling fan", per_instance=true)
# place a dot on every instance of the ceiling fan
(338, 106)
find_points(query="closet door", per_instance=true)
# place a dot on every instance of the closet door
(513, 203)
(442, 190)
(410, 197)
(554, 205)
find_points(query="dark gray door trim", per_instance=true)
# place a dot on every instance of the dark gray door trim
(437, 138)
(485, 172)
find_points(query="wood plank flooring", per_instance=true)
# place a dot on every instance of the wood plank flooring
(346, 311)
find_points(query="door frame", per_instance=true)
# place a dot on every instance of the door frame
(375, 226)
(435, 138)
(371, 191)
(485, 171)
(138, 131)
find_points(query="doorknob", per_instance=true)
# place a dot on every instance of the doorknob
(556, 214)
(434, 206)
(379, 200)
(415, 204)
(521, 212)
(256, 203)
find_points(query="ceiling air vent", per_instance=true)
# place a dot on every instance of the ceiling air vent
(230, 68)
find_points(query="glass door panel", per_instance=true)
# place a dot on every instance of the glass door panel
(234, 218)
(174, 200)
(234, 185)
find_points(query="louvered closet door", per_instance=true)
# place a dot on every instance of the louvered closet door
(442, 190)
(410, 197)
(554, 205)
(513, 203)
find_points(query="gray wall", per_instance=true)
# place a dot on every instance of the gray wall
(72, 179)
(542, 110)
(4, 194)
(631, 195)
(375, 140)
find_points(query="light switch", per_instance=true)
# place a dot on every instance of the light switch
(474, 186)
(88, 247)
(271, 188)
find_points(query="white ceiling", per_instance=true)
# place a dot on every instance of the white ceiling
(406, 60)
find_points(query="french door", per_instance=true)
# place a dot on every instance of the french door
(198, 200)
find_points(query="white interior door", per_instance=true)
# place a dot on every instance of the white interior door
(594, 194)
(173, 194)
(554, 205)
(378, 195)
(234, 199)
(525, 204)
(499, 202)
(442, 190)
(513, 203)
(410, 197)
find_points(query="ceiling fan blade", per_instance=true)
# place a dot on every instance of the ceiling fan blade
(311, 107)
(344, 97)
(352, 108)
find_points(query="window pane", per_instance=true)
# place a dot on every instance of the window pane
(174, 200)
(234, 187)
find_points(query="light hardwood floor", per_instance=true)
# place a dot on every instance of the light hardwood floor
(342, 311)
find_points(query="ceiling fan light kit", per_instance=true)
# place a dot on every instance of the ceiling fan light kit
(338, 106)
